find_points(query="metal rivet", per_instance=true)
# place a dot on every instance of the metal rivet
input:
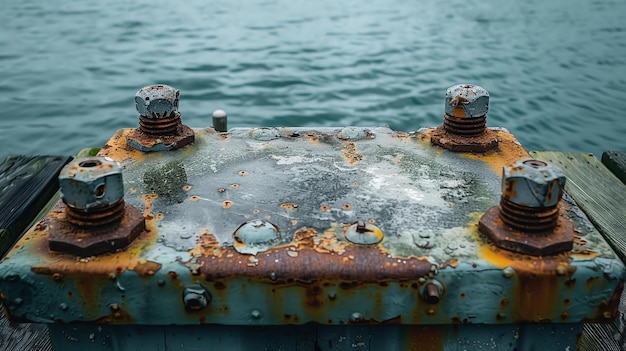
(254, 236)
(63, 306)
(264, 134)
(356, 317)
(508, 272)
(160, 282)
(256, 314)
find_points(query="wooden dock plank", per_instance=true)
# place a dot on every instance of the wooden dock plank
(23, 337)
(26, 185)
(600, 194)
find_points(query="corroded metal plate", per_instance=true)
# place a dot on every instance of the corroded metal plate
(328, 225)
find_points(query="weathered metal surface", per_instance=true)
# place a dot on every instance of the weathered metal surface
(314, 190)
(160, 126)
(465, 120)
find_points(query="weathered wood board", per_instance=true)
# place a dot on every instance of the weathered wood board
(600, 194)
(26, 185)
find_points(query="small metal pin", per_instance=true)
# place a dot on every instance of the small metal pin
(220, 121)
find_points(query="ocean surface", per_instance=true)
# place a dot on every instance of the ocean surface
(555, 70)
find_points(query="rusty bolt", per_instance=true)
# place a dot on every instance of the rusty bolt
(532, 183)
(96, 219)
(157, 101)
(467, 101)
(432, 291)
(91, 183)
(220, 121)
(160, 126)
(528, 219)
(465, 120)
(196, 297)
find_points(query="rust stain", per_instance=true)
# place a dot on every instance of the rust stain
(117, 149)
(425, 338)
(506, 153)
(458, 111)
(591, 282)
(146, 268)
(350, 153)
(536, 290)
(368, 264)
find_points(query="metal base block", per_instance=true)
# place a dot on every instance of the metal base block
(519, 337)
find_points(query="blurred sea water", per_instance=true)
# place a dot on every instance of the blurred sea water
(555, 70)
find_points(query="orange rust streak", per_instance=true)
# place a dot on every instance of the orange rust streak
(117, 149)
(350, 154)
(508, 151)
(358, 264)
(537, 290)
(104, 264)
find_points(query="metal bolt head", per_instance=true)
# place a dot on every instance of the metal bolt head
(363, 233)
(91, 183)
(196, 297)
(532, 183)
(466, 100)
(157, 101)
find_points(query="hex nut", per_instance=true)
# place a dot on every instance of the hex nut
(467, 101)
(91, 182)
(84, 241)
(560, 239)
(196, 297)
(157, 101)
(533, 183)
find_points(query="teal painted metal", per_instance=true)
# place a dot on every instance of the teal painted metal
(266, 221)
(520, 337)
